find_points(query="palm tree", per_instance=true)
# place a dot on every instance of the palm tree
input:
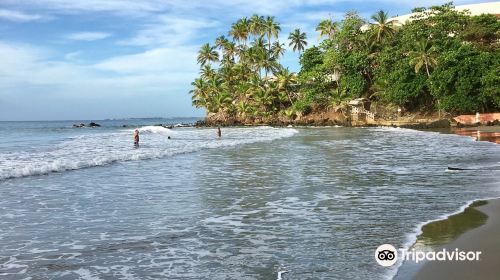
(199, 93)
(423, 55)
(269, 63)
(221, 42)
(277, 49)
(286, 80)
(239, 30)
(272, 29)
(245, 109)
(206, 54)
(297, 40)
(383, 28)
(207, 72)
(327, 28)
(229, 50)
(221, 101)
(256, 25)
(259, 43)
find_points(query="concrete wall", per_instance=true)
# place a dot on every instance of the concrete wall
(483, 118)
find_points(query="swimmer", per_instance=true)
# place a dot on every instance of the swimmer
(136, 137)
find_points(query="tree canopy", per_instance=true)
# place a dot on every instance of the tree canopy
(442, 59)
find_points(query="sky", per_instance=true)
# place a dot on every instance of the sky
(101, 59)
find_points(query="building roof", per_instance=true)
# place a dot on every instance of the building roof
(474, 9)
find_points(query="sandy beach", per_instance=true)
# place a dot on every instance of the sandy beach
(485, 238)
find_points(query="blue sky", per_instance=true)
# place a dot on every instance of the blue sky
(96, 59)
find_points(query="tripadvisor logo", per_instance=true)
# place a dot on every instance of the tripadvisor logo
(387, 255)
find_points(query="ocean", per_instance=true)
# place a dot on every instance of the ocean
(258, 203)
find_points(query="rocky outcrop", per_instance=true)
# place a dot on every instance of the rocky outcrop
(328, 118)
(91, 124)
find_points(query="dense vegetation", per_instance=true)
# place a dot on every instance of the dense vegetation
(441, 60)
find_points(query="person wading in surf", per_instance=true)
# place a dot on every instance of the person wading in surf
(136, 138)
(219, 133)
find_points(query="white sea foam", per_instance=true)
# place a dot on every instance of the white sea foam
(97, 149)
(157, 129)
(280, 273)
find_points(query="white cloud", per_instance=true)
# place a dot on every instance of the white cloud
(127, 7)
(158, 70)
(20, 16)
(167, 60)
(88, 36)
(234, 8)
(169, 31)
(72, 55)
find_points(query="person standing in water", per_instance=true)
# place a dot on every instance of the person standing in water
(136, 137)
(219, 133)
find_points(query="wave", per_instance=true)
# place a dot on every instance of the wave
(156, 129)
(98, 149)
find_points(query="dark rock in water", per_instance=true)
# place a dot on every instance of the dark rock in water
(200, 123)
(124, 125)
(439, 124)
(458, 169)
(93, 124)
(79, 125)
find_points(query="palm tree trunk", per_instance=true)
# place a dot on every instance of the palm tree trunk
(289, 98)
(438, 101)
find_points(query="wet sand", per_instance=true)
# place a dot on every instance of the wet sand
(481, 133)
(485, 238)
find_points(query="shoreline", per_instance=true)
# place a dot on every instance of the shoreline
(450, 227)
(482, 237)
(480, 234)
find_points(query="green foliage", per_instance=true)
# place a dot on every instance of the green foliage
(457, 81)
(490, 84)
(482, 31)
(404, 87)
(302, 107)
(310, 59)
(442, 58)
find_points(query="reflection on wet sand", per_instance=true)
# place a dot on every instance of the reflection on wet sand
(441, 232)
(481, 135)
(437, 234)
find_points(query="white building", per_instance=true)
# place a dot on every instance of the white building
(474, 9)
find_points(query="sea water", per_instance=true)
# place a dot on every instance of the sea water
(258, 203)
